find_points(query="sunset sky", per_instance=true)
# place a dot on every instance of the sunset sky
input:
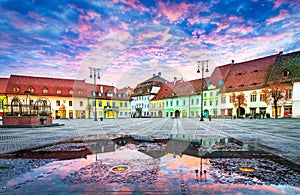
(130, 40)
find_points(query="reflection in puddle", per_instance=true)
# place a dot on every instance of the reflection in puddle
(127, 164)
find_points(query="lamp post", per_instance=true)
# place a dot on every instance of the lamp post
(95, 73)
(202, 62)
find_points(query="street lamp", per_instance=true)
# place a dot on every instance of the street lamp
(95, 73)
(202, 62)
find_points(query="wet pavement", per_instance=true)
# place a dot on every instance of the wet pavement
(154, 156)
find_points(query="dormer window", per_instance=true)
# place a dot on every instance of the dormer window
(242, 85)
(230, 86)
(80, 92)
(31, 89)
(285, 73)
(16, 88)
(45, 90)
(240, 73)
(71, 91)
(58, 91)
(109, 93)
(255, 70)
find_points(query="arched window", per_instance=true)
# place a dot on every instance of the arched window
(58, 91)
(71, 91)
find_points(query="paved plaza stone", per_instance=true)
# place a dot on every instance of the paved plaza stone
(280, 137)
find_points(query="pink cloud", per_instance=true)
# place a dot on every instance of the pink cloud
(171, 10)
(283, 14)
(235, 19)
(278, 3)
(221, 26)
(135, 4)
(241, 29)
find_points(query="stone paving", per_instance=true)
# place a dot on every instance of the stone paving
(279, 136)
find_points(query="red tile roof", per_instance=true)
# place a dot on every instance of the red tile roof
(80, 87)
(249, 75)
(219, 75)
(180, 88)
(39, 83)
(3, 85)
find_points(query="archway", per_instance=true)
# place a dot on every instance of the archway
(205, 113)
(16, 106)
(160, 113)
(240, 112)
(177, 113)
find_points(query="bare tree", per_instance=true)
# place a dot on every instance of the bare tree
(239, 100)
(276, 95)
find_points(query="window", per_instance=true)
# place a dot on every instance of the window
(71, 91)
(100, 104)
(184, 102)
(58, 91)
(204, 94)
(210, 102)
(262, 97)
(285, 73)
(81, 103)
(211, 94)
(114, 104)
(167, 103)
(80, 92)
(171, 103)
(31, 102)
(125, 105)
(192, 101)
(57, 103)
(253, 98)
(197, 101)
(31, 89)
(121, 104)
(289, 94)
(177, 103)
(16, 89)
(70, 103)
(223, 99)
(230, 99)
(204, 103)
(216, 102)
(107, 103)
(45, 90)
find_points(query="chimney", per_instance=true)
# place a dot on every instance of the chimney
(159, 74)
(278, 57)
(175, 79)
(232, 62)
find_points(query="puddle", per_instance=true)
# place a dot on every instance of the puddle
(138, 164)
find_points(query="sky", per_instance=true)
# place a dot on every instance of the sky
(130, 40)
